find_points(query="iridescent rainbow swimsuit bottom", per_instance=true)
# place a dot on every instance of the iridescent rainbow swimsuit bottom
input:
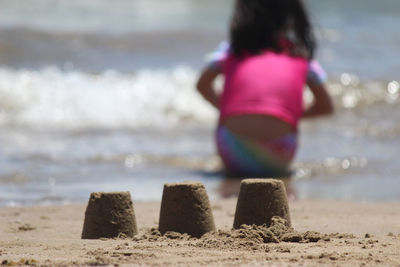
(248, 158)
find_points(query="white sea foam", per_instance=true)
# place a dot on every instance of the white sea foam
(52, 98)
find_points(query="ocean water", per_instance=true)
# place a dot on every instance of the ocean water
(99, 96)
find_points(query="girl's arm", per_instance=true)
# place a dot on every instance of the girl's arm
(322, 104)
(205, 86)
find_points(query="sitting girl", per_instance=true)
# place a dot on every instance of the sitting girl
(266, 65)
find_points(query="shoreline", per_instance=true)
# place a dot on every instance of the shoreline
(368, 233)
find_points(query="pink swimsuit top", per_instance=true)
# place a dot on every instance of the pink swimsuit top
(268, 83)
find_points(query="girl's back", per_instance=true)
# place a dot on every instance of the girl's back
(267, 84)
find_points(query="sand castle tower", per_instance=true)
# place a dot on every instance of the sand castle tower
(109, 215)
(185, 208)
(260, 200)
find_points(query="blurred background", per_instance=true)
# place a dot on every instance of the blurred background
(98, 95)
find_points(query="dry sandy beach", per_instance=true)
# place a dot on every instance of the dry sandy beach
(359, 235)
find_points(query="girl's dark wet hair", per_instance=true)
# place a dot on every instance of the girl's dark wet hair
(264, 24)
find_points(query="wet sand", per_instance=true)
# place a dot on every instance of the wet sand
(357, 234)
